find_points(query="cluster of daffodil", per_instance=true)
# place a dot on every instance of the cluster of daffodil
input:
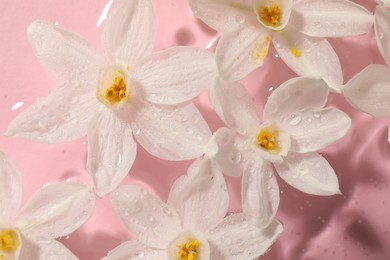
(130, 95)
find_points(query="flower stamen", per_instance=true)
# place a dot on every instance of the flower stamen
(113, 87)
(267, 139)
(297, 53)
(188, 251)
(270, 15)
(9, 243)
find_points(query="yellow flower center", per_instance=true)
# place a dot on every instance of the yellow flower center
(9, 243)
(113, 87)
(297, 53)
(267, 139)
(188, 251)
(270, 15)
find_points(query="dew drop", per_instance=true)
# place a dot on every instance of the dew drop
(235, 157)
(141, 254)
(295, 120)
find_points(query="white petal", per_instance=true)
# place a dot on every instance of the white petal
(313, 129)
(56, 210)
(153, 222)
(240, 51)
(284, 9)
(260, 193)
(111, 151)
(223, 15)
(45, 249)
(310, 173)
(129, 32)
(235, 239)
(64, 54)
(382, 31)
(294, 95)
(131, 250)
(60, 117)
(10, 190)
(369, 90)
(225, 150)
(234, 105)
(330, 18)
(177, 74)
(306, 56)
(171, 133)
(200, 197)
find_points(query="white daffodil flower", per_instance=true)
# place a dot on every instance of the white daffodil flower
(192, 225)
(369, 90)
(127, 92)
(295, 126)
(54, 211)
(296, 28)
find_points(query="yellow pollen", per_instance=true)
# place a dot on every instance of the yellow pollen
(296, 52)
(9, 241)
(270, 15)
(188, 251)
(267, 140)
(117, 91)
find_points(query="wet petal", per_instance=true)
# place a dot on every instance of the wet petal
(369, 90)
(382, 31)
(234, 105)
(260, 193)
(241, 51)
(171, 133)
(68, 57)
(200, 197)
(177, 75)
(129, 31)
(313, 129)
(45, 249)
(312, 57)
(222, 15)
(310, 173)
(111, 151)
(10, 189)
(56, 210)
(235, 239)
(296, 94)
(134, 250)
(60, 117)
(153, 222)
(331, 18)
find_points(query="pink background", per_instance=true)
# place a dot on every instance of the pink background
(354, 225)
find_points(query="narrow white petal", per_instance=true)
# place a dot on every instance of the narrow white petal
(294, 95)
(260, 193)
(284, 8)
(68, 57)
(310, 173)
(132, 250)
(307, 56)
(129, 32)
(223, 15)
(177, 74)
(111, 151)
(234, 105)
(60, 117)
(312, 129)
(235, 239)
(242, 50)
(225, 149)
(45, 249)
(382, 31)
(369, 90)
(200, 197)
(171, 132)
(10, 189)
(56, 210)
(330, 18)
(153, 222)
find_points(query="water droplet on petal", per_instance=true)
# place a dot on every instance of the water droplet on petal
(295, 120)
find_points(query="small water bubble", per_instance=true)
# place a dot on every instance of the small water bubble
(317, 24)
(309, 119)
(295, 120)
(151, 218)
(240, 19)
(140, 254)
(235, 157)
